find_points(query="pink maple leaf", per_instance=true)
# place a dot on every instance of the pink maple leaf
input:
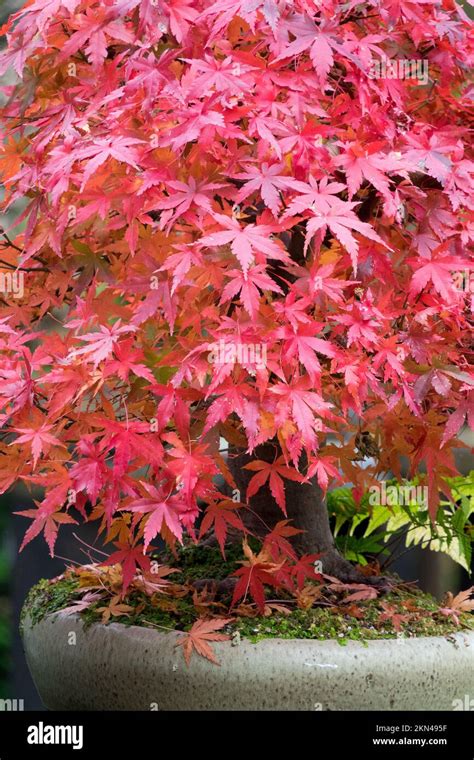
(309, 35)
(301, 403)
(341, 220)
(304, 344)
(247, 284)
(320, 197)
(245, 241)
(101, 343)
(164, 511)
(39, 438)
(268, 180)
(185, 195)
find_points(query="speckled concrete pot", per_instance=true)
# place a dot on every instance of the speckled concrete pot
(116, 667)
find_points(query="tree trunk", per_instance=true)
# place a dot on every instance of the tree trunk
(306, 509)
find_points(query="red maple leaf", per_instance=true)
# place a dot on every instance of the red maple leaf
(272, 472)
(181, 16)
(130, 557)
(47, 517)
(323, 468)
(257, 571)
(198, 637)
(191, 463)
(304, 569)
(90, 472)
(276, 541)
(304, 343)
(367, 162)
(220, 516)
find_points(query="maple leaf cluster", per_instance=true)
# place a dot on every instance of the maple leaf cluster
(199, 172)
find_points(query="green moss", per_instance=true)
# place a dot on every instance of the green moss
(48, 596)
(182, 619)
(198, 562)
(318, 623)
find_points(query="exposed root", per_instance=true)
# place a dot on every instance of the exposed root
(333, 564)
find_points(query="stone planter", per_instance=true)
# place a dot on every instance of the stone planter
(117, 667)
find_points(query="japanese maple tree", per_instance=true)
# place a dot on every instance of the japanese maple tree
(227, 177)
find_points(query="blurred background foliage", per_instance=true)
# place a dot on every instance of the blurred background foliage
(5, 628)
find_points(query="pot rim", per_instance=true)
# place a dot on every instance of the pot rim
(451, 638)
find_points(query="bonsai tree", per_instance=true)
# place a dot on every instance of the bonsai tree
(242, 274)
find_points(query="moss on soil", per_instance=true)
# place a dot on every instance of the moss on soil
(197, 562)
(320, 622)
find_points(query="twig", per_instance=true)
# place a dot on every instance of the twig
(89, 546)
(156, 625)
(23, 269)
